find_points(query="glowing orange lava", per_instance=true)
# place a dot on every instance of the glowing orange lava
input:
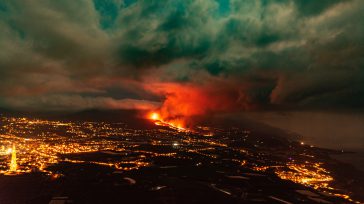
(185, 102)
(175, 124)
(154, 116)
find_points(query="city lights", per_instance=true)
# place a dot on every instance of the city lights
(34, 145)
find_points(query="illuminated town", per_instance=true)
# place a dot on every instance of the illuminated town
(181, 101)
(29, 146)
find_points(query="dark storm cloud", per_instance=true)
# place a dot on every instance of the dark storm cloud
(312, 7)
(157, 32)
(302, 54)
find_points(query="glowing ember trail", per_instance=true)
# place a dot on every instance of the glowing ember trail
(175, 124)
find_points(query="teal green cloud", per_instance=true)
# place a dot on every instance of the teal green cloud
(289, 53)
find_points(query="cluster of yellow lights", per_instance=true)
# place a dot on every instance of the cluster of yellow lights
(309, 174)
(347, 197)
(203, 154)
(19, 154)
(13, 164)
(39, 144)
(260, 168)
(241, 162)
(36, 156)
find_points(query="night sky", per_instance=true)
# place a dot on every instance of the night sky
(190, 57)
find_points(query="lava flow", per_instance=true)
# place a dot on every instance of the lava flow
(175, 124)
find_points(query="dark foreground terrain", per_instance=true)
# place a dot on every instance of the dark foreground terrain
(73, 161)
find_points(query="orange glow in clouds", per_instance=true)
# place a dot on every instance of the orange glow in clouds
(185, 101)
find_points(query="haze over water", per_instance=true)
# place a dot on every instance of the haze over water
(339, 131)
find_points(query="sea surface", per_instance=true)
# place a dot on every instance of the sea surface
(356, 158)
